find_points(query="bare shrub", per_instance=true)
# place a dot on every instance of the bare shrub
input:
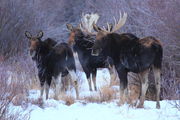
(11, 85)
(15, 80)
(170, 84)
(14, 19)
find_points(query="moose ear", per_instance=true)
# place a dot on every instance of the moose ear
(28, 35)
(40, 34)
(96, 28)
(69, 27)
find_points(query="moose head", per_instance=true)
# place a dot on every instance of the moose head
(34, 42)
(104, 33)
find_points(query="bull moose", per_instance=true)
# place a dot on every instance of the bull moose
(82, 43)
(130, 54)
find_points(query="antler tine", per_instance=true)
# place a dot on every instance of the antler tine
(108, 27)
(120, 23)
(120, 15)
(115, 22)
(87, 21)
(117, 25)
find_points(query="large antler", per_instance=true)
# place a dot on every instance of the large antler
(120, 23)
(117, 25)
(87, 22)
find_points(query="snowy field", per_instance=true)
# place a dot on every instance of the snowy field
(57, 110)
(81, 110)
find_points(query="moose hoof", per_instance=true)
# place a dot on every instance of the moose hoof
(157, 105)
(95, 89)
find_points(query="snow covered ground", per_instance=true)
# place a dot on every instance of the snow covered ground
(80, 110)
(57, 110)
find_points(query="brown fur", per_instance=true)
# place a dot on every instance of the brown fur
(100, 35)
(33, 44)
(71, 38)
(148, 41)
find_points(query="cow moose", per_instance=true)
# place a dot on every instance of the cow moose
(130, 54)
(53, 61)
(82, 43)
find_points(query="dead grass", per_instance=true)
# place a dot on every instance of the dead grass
(12, 90)
(69, 100)
(114, 82)
(107, 94)
(91, 99)
(35, 83)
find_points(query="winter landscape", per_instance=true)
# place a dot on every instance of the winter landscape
(22, 22)
(71, 109)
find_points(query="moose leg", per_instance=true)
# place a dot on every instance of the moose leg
(87, 72)
(47, 86)
(88, 75)
(94, 80)
(42, 90)
(122, 73)
(113, 74)
(47, 91)
(89, 82)
(75, 82)
(42, 81)
(57, 85)
(123, 87)
(144, 86)
(157, 76)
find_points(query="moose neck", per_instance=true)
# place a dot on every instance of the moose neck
(42, 52)
(83, 42)
(109, 45)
